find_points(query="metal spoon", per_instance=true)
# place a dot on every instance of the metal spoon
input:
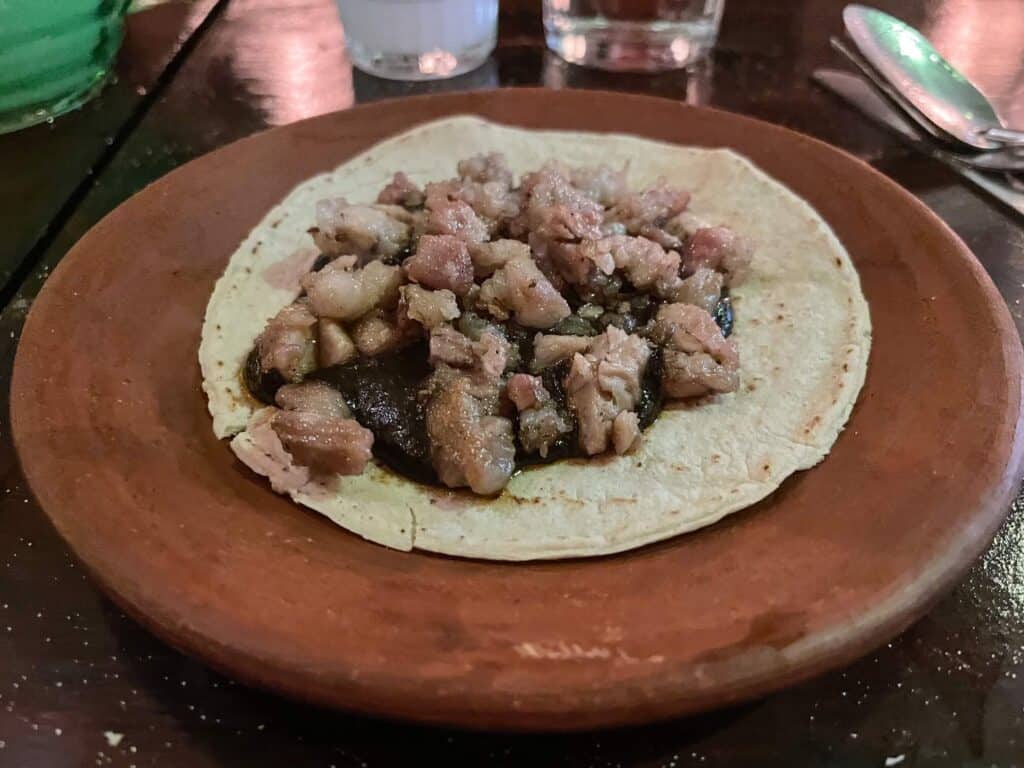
(1005, 158)
(926, 81)
(864, 97)
(885, 89)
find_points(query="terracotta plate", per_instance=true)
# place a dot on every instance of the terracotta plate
(115, 439)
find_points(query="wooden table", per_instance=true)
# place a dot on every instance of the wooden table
(80, 684)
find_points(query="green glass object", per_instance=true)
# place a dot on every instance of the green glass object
(54, 56)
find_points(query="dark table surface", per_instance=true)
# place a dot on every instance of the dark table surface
(82, 685)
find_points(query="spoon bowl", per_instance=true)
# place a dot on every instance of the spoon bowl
(912, 66)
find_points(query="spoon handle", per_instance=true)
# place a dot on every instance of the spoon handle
(894, 97)
(1007, 136)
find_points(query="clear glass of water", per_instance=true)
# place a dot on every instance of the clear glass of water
(632, 35)
(419, 39)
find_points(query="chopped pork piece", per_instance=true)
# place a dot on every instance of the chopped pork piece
(260, 449)
(697, 359)
(594, 412)
(334, 345)
(647, 265)
(488, 355)
(345, 294)
(492, 202)
(488, 257)
(492, 351)
(525, 391)
(626, 432)
(549, 349)
(324, 443)
(579, 263)
(604, 383)
(313, 397)
(362, 230)
(556, 210)
(666, 240)
(601, 183)
(429, 308)
(485, 184)
(441, 261)
(565, 222)
(470, 443)
(316, 428)
(375, 334)
(693, 374)
(454, 217)
(521, 289)
(287, 344)
(620, 358)
(401, 191)
(540, 251)
(540, 422)
(721, 249)
(702, 289)
(691, 329)
(449, 347)
(484, 168)
(476, 328)
(653, 206)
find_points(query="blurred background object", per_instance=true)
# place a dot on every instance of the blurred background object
(693, 86)
(419, 39)
(632, 35)
(54, 56)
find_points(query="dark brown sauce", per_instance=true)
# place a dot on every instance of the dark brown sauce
(384, 394)
(262, 385)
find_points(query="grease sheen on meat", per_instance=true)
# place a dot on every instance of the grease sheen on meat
(341, 292)
(698, 359)
(315, 427)
(361, 230)
(471, 444)
(604, 383)
(286, 344)
(441, 262)
(520, 290)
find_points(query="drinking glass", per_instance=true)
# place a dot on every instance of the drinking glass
(632, 35)
(419, 39)
(54, 56)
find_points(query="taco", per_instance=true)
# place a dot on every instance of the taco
(508, 344)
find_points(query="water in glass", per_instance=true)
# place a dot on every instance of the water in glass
(632, 35)
(419, 39)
